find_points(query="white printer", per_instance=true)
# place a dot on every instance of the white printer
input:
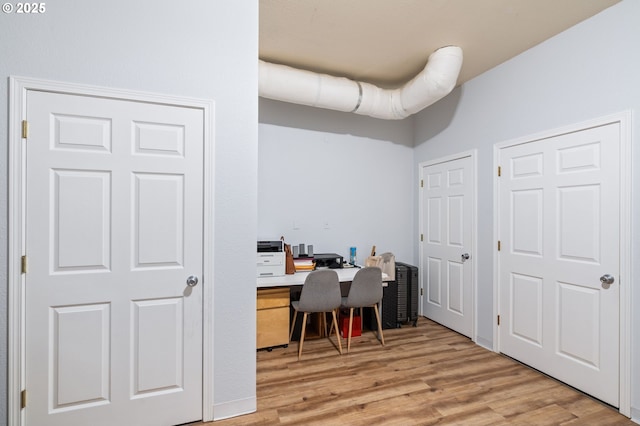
(271, 258)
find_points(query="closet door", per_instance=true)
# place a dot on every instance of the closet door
(113, 231)
(559, 210)
(447, 258)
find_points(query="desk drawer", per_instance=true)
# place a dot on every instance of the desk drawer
(273, 298)
(272, 327)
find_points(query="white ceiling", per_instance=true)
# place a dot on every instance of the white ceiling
(387, 42)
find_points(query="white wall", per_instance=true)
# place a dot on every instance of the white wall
(590, 70)
(195, 48)
(341, 179)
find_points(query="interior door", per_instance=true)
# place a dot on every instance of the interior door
(559, 204)
(113, 231)
(447, 258)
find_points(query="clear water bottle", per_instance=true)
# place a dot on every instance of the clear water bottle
(353, 258)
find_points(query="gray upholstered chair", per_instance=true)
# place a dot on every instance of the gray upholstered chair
(320, 293)
(365, 291)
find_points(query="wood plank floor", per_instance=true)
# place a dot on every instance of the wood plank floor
(425, 375)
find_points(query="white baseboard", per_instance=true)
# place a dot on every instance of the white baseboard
(239, 407)
(484, 343)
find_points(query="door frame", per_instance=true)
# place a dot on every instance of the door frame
(474, 230)
(624, 119)
(18, 89)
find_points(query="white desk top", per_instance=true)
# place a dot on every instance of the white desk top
(344, 275)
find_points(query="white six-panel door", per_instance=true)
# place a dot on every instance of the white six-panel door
(447, 256)
(559, 206)
(114, 221)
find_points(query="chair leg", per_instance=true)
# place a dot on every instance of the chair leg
(323, 322)
(380, 335)
(335, 324)
(350, 329)
(304, 326)
(293, 324)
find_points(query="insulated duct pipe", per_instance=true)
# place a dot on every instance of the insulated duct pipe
(435, 81)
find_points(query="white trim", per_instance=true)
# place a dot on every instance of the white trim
(15, 361)
(474, 229)
(626, 137)
(207, 261)
(624, 119)
(18, 88)
(496, 223)
(236, 408)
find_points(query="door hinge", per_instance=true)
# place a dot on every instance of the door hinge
(23, 265)
(421, 237)
(498, 319)
(499, 245)
(421, 183)
(499, 171)
(23, 399)
(421, 291)
(25, 129)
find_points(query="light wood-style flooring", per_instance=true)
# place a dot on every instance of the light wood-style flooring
(425, 375)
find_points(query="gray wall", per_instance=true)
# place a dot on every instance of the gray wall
(344, 180)
(590, 70)
(196, 48)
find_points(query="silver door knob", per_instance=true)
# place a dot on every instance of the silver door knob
(192, 281)
(465, 256)
(607, 279)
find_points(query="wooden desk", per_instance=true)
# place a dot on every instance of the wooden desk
(344, 275)
(272, 316)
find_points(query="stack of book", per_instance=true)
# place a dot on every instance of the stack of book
(304, 264)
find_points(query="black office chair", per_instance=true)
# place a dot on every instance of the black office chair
(320, 293)
(365, 291)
